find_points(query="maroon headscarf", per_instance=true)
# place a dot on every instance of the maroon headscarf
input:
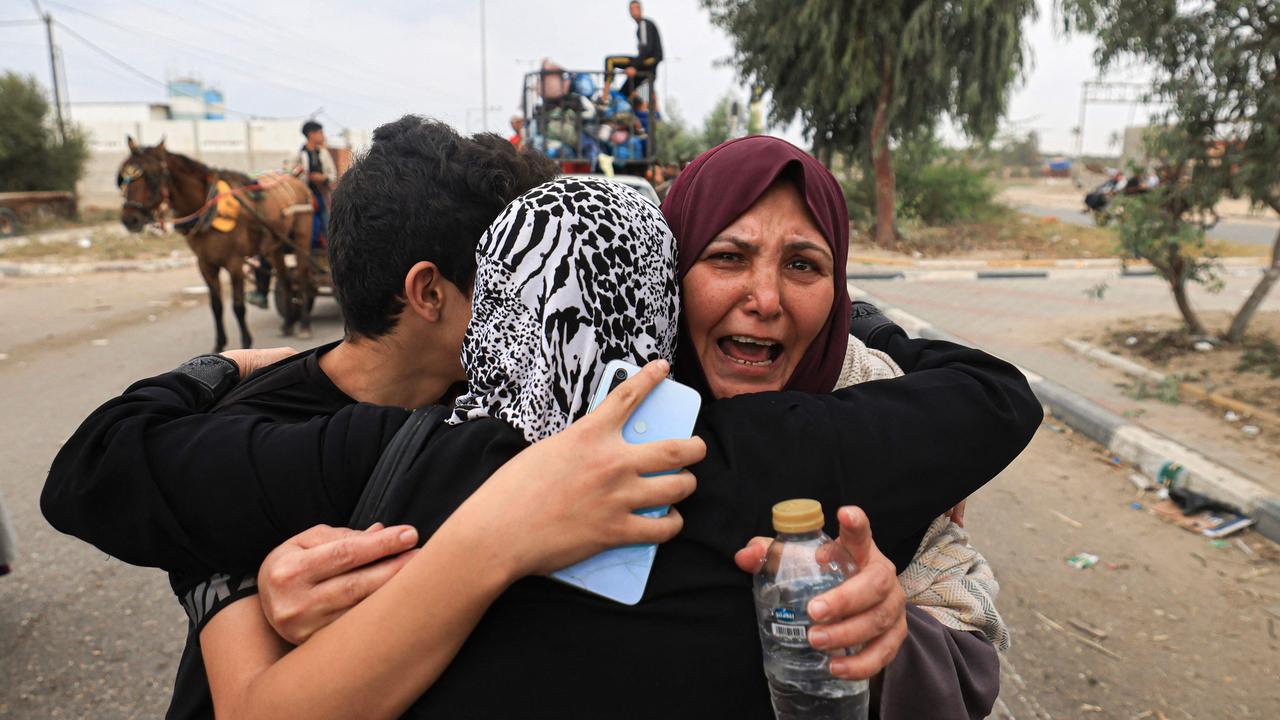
(722, 184)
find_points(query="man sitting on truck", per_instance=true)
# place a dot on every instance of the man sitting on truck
(642, 68)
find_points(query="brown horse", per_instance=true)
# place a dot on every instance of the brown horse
(273, 220)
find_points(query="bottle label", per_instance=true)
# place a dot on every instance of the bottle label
(790, 635)
(786, 630)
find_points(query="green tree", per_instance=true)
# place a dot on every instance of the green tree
(1217, 66)
(1022, 151)
(31, 157)
(860, 74)
(1166, 226)
(677, 142)
(718, 126)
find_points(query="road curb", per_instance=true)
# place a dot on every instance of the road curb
(40, 269)
(1103, 263)
(1132, 443)
(858, 272)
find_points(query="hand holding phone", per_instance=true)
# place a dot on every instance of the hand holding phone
(668, 413)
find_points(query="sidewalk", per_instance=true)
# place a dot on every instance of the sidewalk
(70, 234)
(1024, 322)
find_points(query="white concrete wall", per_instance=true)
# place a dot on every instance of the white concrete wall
(251, 146)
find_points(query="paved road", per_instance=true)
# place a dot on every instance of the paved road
(1248, 232)
(1024, 321)
(82, 635)
(86, 636)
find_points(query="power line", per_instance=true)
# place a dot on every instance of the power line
(246, 69)
(17, 23)
(135, 71)
(335, 50)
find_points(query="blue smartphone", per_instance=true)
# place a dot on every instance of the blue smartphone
(667, 413)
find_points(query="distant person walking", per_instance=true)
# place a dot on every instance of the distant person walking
(320, 172)
(517, 129)
(641, 69)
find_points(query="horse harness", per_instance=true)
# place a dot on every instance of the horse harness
(132, 171)
(203, 218)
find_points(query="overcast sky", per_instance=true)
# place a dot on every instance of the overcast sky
(366, 63)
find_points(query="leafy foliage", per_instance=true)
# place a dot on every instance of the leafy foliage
(718, 126)
(31, 158)
(1217, 65)
(936, 186)
(677, 142)
(1166, 226)
(858, 73)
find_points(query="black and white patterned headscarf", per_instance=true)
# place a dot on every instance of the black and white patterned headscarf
(574, 273)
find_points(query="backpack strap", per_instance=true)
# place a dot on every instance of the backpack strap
(386, 488)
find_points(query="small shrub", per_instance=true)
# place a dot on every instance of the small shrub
(935, 186)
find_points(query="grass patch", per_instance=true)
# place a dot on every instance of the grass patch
(1261, 355)
(1166, 391)
(102, 246)
(1011, 234)
(88, 216)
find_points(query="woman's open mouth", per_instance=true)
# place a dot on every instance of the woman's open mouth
(750, 351)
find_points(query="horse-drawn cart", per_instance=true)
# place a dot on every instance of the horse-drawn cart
(319, 280)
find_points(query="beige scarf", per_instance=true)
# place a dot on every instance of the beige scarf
(948, 578)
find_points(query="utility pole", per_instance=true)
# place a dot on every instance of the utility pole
(53, 68)
(484, 76)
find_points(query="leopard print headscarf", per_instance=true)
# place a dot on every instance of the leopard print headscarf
(574, 273)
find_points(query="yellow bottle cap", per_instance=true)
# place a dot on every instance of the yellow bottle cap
(797, 516)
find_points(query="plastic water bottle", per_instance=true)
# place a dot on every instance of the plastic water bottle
(802, 563)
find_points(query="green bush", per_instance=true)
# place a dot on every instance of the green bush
(31, 158)
(935, 186)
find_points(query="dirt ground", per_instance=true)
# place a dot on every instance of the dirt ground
(1250, 373)
(1011, 235)
(1166, 625)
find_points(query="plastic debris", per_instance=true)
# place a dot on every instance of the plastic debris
(4, 356)
(1131, 341)
(1219, 544)
(1251, 430)
(100, 342)
(85, 243)
(1082, 561)
(1203, 346)
(1171, 475)
(1231, 416)
(1135, 505)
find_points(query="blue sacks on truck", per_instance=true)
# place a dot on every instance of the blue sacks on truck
(583, 85)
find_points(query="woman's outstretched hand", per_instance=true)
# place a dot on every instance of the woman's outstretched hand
(574, 494)
(868, 609)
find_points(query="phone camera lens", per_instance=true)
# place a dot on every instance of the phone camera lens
(620, 374)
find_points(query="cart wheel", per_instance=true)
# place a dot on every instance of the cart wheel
(284, 305)
(9, 224)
